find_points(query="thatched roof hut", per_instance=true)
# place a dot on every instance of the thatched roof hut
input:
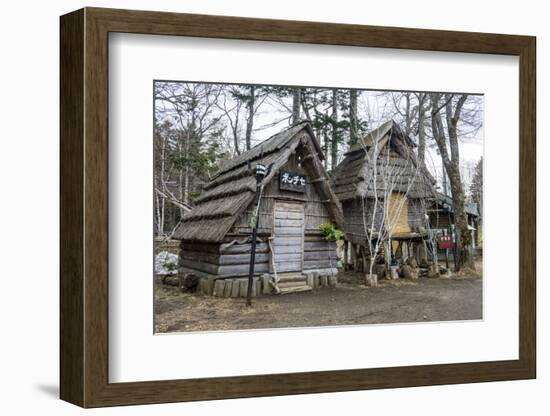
(220, 220)
(383, 166)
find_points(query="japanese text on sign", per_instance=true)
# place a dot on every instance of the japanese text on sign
(292, 182)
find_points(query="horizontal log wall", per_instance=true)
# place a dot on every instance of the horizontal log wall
(356, 217)
(211, 260)
(222, 260)
(319, 253)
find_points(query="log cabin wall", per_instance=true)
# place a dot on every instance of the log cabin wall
(199, 258)
(356, 214)
(413, 212)
(221, 259)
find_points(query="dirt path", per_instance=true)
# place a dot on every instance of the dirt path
(350, 303)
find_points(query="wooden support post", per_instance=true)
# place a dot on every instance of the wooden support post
(202, 287)
(219, 287)
(424, 252)
(266, 286)
(346, 249)
(255, 284)
(235, 288)
(228, 287)
(315, 279)
(243, 288)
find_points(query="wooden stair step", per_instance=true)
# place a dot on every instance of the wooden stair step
(290, 274)
(292, 279)
(292, 284)
(293, 289)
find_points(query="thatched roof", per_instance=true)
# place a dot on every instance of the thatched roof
(232, 190)
(378, 134)
(396, 167)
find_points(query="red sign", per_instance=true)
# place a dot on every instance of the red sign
(445, 242)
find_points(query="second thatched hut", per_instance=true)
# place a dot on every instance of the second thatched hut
(384, 191)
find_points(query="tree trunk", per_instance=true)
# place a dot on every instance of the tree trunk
(296, 101)
(408, 117)
(421, 130)
(452, 167)
(325, 143)
(353, 123)
(250, 120)
(334, 141)
(184, 175)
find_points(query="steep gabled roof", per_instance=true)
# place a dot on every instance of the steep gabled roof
(353, 177)
(378, 134)
(232, 190)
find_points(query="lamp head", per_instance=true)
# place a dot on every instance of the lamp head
(260, 170)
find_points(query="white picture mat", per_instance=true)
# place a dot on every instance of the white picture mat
(135, 354)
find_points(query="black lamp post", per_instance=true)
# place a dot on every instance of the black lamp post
(260, 173)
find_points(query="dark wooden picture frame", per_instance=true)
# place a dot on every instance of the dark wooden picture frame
(84, 207)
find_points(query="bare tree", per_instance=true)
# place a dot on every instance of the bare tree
(422, 109)
(251, 105)
(296, 104)
(232, 113)
(446, 137)
(353, 120)
(383, 196)
(335, 139)
(189, 109)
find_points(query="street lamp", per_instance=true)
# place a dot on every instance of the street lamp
(260, 174)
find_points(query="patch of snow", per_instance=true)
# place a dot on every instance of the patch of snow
(166, 263)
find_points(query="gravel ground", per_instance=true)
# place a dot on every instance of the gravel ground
(351, 303)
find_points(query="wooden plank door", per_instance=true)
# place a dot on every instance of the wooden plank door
(288, 233)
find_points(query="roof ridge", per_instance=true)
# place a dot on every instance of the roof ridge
(258, 149)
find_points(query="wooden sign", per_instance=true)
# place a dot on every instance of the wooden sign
(294, 182)
(445, 242)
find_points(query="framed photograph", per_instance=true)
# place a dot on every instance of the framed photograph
(255, 207)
